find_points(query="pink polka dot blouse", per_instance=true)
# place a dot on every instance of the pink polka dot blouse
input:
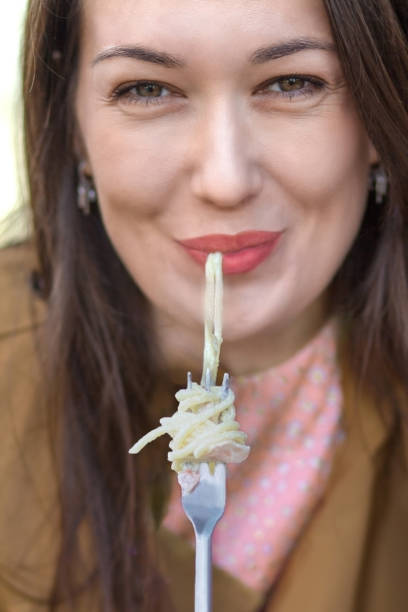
(291, 414)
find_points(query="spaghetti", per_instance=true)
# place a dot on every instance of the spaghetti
(204, 427)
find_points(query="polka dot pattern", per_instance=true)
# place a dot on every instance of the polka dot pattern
(291, 414)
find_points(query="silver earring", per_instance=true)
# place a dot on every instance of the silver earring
(85, 190)
(379, 184)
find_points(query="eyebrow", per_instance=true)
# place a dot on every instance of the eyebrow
(260, 56)
(265, 54)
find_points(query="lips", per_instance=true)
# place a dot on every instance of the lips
(241, 252)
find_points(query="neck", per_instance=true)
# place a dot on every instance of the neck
(275, 345)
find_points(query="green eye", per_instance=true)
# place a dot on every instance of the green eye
(293, 85)
(148, 90)
(142, 92)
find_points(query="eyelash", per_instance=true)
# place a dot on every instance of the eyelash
(313, 86)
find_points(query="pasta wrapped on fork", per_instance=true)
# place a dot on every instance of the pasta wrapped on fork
(204, 428)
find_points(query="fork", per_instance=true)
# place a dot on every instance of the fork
(204, 506)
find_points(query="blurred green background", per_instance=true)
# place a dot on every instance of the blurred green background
(13, 225)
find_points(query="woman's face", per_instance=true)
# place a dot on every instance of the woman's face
(211, 118)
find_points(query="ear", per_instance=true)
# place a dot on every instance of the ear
(373, 156)
(85, 167)
(81, 153)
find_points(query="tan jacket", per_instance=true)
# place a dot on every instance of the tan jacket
(353, 556)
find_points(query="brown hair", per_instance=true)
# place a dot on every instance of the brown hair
(100, 361)
(372, 285)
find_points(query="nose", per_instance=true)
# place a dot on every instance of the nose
(225, 172)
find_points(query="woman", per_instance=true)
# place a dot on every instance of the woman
(276, 132)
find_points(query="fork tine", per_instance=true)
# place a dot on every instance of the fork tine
(207, 381)
(225, 384)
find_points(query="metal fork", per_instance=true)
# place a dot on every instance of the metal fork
(204, 506)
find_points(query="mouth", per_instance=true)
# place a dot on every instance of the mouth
(242, 252)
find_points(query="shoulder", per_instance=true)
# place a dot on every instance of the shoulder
(26, 466)
(21, 314)
(18, 305)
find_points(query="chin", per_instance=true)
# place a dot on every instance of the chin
(237, 328)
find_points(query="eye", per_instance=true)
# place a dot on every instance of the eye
(142, 92)
(292, 86)
(289, 84)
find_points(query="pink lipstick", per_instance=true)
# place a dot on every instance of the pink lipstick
(241, 252)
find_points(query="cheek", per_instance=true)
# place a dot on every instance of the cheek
(321, 173)
(133, 170)
(327, 157)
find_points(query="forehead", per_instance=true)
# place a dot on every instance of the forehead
(188, 25)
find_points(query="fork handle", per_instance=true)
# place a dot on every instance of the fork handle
(203, 574)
